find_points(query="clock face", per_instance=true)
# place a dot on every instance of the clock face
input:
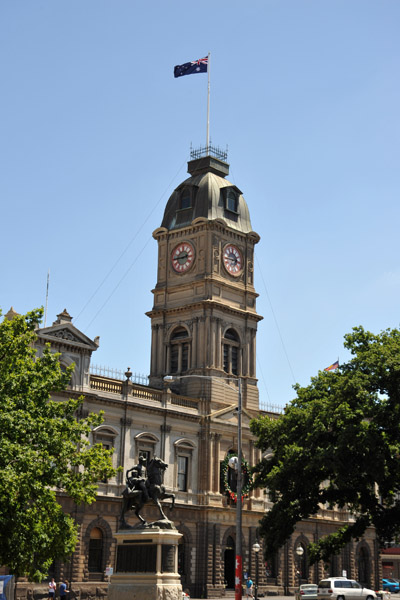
(233, 259)
(182, 257)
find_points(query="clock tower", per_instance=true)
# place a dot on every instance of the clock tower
(204, 318)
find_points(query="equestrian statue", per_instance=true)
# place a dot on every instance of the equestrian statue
(141, 489)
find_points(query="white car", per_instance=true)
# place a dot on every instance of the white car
(341, 588)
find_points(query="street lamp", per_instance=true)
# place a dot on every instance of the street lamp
(299, 552)
(239, 484)
(256, 548)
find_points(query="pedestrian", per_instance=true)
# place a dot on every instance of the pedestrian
(52, 589)
(63, 589)
(249, 588)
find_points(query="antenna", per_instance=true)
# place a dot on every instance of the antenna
(47, 297)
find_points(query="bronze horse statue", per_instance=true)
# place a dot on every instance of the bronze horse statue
(135, 499)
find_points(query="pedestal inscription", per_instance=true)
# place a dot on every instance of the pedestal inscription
(136, 559)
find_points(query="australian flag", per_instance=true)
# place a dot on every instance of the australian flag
(196, 66)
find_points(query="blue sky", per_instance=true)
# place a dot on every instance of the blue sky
(95, 134)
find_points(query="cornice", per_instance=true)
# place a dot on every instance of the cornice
(203, 224)
(206, 304)
(208, 278)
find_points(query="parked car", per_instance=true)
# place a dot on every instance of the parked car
(390, 585)
(307, 591)
(383, 595)
(341, 588)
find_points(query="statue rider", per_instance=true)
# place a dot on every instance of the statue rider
(136, 478)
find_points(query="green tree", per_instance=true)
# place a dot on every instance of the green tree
(337, 443)
(44, 449)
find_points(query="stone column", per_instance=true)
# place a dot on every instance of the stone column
(218, 344)
(210, 462)
(213, 341)
(259, 491)
(253, 354)
(207, 340)
(153, 367)
(193, 361)
(217, 448)
(160, 350)
(246, 352)
(202, 341)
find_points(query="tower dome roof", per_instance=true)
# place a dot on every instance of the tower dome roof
(206, 193)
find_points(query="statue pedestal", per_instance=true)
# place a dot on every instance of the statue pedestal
(146, 565)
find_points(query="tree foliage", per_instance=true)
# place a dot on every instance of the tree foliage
(44, 449)
(337, 444)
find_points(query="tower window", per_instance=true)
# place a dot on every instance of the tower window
(231, 348)
(230, 199)
(185, 200)
(179, 351)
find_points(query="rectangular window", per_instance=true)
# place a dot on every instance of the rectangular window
(95, 555)
(146, 454)
(186, 200)
(234, 360)
(182, 473)
(226, 358)
(185, 357)
(231, 200)
(174, 358)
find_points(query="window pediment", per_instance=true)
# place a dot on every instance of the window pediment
(184, 444)
(147, 437)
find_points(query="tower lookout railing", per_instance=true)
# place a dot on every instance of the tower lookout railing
(209, 151)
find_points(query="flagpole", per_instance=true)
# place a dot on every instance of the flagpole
(208, 105)
(47, 297)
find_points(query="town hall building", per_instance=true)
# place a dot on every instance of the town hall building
(203, 339)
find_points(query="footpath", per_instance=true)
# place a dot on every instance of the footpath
(244, 597)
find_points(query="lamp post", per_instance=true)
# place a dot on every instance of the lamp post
(299, 552)
(239, 485)
(256, 549)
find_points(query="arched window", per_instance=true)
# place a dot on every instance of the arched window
(334, 565)
(181, 558)
(363, 566)
(301, 562)
(231, 349)
(95, 562)
(346, 560)
(229, 563)
(228, 477)
(271, 569)
(179, 350)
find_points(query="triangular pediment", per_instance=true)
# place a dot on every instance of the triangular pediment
(67, 333)
(229, 414)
